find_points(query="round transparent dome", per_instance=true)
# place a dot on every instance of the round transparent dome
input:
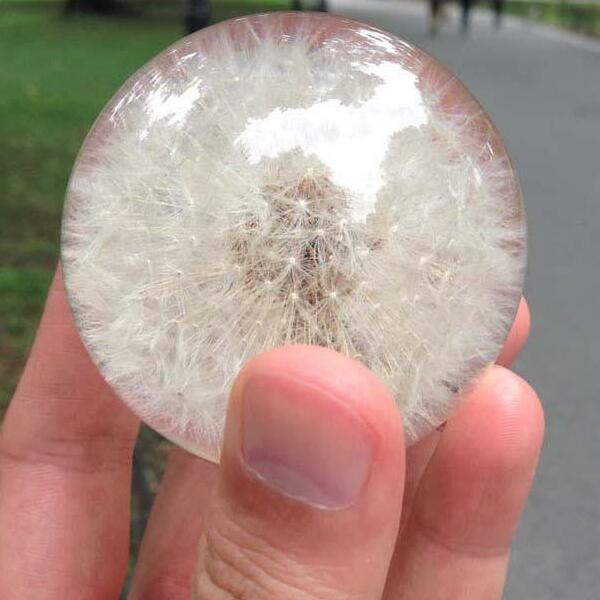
(291, 178)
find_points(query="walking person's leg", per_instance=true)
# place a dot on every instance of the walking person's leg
(498, 9)
(466, 14)
(434, 16)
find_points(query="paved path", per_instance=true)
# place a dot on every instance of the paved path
(542, 89)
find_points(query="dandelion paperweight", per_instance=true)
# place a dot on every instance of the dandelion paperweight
(291, 178)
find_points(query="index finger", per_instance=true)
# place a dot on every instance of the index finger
(65, 462)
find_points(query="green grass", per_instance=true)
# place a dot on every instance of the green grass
(581, 17)
(55, 76)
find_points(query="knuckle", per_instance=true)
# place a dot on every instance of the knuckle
(75, 453)
(236, 564)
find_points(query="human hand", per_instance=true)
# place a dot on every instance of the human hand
(316, 496)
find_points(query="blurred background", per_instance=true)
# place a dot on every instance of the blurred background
(535, 66)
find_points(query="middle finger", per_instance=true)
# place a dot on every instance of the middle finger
(168, 553)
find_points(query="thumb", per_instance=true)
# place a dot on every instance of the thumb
(311, 480)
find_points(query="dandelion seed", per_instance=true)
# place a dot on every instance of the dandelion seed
(200, 187)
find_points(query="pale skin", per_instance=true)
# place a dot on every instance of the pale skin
(434, 521)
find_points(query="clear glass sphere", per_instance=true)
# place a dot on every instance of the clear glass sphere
(291, 178)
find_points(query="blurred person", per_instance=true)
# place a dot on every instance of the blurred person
(197, 15)
(435, 16)
(319, 6)
(498, 10)
(466, 6)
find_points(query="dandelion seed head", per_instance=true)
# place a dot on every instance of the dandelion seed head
(291, 178)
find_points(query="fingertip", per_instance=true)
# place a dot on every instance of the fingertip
(525, 314)
(319, 410)
(476, 485)
(517, 336)
(310, 429)
(501, 416)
